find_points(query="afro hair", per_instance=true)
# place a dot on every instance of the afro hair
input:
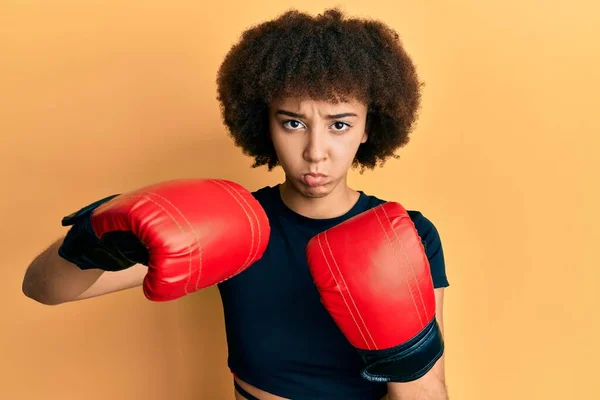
(328, 57)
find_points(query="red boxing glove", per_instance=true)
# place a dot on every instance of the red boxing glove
(374, 279)
(197, 232)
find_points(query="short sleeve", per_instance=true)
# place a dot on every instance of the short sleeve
(433, 248)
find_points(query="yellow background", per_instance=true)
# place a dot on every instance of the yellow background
(98, 97)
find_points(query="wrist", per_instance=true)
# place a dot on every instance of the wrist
(408, 361)
(82, 247)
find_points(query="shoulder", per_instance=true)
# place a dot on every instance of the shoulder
(424, 225)
(430, 238)
(266, 195)
(432, 243)
(264, 191)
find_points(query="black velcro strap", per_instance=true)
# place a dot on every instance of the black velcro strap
(408, 361)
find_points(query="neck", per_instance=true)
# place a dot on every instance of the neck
(338, 202)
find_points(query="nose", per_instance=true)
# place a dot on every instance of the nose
(315, 149)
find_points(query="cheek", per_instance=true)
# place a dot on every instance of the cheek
(276, 138)
(284, 149)
(346, 147)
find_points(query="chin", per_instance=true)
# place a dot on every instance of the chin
(316, 194)
(317, 191)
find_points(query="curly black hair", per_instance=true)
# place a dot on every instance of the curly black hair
(328, 57)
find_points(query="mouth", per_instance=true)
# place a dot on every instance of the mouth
(314, 179)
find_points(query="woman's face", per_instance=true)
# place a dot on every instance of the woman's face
(316, 141)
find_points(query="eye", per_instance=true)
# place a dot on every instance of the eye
(341, 126)
(292, 124)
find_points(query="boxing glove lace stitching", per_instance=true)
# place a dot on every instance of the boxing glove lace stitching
(410, 267)
(197, 239)
(412, 270)
(232, 191)
(349, 294)
(254, 246)
(256, 232)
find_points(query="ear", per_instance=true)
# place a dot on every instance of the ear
(367, 124)
(365, 137)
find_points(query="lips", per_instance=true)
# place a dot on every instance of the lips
(314, 180)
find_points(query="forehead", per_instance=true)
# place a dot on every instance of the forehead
(310, 106)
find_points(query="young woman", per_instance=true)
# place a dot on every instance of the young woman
(315, 96)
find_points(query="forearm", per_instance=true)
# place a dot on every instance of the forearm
(51, 280)
(433, 390)
(431, 386)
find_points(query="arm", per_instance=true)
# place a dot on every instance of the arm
(151, 237)
(52, 280)
(431, 386)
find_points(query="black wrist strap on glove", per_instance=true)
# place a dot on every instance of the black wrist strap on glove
(115, 251)
(406, 362)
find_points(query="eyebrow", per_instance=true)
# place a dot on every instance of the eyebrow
(334, 116)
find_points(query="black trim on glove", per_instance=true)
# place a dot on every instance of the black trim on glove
(408, 361)
(115, 251)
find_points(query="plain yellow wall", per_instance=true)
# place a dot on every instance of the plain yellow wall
(98, 97)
